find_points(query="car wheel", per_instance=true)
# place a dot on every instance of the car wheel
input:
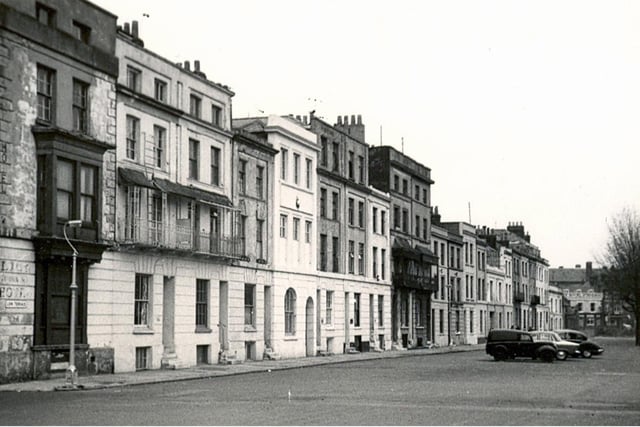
(586, 354)
(500, 353)
(561, 355)
(547, 356)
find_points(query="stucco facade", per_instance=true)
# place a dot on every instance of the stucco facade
(293, 298)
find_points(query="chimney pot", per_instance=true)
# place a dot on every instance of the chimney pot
(196, 65)
(359, 119)
(298, 118)
(353, 119)
(339, 120)
(126, 28)
(134, 29)
(187, 66)
(345, 120)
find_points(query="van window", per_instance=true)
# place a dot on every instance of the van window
(525, 337)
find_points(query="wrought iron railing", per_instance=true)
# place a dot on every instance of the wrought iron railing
(140, 232)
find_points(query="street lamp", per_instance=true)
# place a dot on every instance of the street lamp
(448, 286)
(72, 374)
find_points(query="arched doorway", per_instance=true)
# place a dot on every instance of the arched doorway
(309, 337)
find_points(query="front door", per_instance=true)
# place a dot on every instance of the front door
(309, 336)
(168, 318)
(53, 302)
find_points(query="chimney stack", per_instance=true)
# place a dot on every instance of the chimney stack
(339, 120)
(126, 28)
(134, 29)
(187, 66)
(196, 65)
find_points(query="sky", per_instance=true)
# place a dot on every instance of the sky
(525, 111)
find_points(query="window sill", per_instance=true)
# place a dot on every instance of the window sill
(202, 330)
(249, 328)
(142, 330)
(290, 338)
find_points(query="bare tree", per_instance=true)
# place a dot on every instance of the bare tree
(622, 260)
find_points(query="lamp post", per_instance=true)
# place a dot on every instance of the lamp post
(72, 374)
(448, 286)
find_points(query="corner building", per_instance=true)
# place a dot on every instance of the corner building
(57, 140)
(413, 263)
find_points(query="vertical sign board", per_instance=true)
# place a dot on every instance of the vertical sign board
(17, 281)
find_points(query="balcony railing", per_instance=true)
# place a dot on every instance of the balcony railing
(148, 233)
(535, 299)
(415, 281)
(518, 297)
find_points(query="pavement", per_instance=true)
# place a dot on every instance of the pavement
(126, 379)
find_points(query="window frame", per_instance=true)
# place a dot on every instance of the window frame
(159, 146)
(242, 177)
(49, 15)
(307, 231)
(43, 96)
(284, 159)
(214, 165)
(290, 299)
(160, 90)
(202, 306)
(283, 226)
(195, 105)
(143, 292)
(335, 248)
(80, 106)
(323, 252)
(216, 115)
(134, 78)
(194, 155)
(81, 31)
(260, 182)
(328, 308)
(260, 238)
(296, 168)
(250, 305)
(296, 228)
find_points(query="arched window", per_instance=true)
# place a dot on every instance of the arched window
(290, 312)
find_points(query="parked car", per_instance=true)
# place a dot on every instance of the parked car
(565, 348)
(505, 344)
(587, 348)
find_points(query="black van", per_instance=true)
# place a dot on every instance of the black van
(505, 344)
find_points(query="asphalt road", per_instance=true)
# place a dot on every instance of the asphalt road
(449, 389)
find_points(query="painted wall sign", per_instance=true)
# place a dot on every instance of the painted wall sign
(16, 292)
(16, 304)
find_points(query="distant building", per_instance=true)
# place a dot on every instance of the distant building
(466, 311)
(530, 276)
(585, 301)
(413, 263)
(447, 246)
(556, 307)
(354, 256)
